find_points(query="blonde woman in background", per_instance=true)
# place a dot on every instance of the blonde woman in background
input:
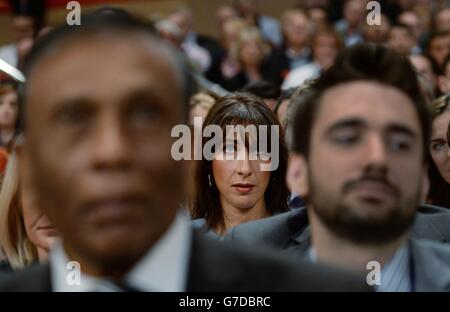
(25, 233)
(251, 51)
(200, 104)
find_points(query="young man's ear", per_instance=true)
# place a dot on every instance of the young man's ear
(297, 175)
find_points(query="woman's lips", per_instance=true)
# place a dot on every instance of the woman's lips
(243, 188)
(48, 230)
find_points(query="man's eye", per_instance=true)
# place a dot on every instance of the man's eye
(345, 138)
(400, 145)
(73, 116)
(143, 113)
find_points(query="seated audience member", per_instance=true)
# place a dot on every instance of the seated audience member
(424, 66)
(427, 89)
(8, 115)
(444, 79)
(442, 19)
(378, 34)
(318, 15)
(26, 234)
(251, 52)
(282, 105)
(439, 168)
(26, 22)
(416, 26)
(269, 26)
(360, 150)
(265, 90)
(437, 48)
(401, 39)
(295, 50)
(237, 189)
(104, 148)
(201, 50)
(228, 66)
(286, 115)
(200, 104)
(351, 25)
(326, 44)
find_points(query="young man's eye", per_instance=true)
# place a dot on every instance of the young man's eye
(345, 138)
(400, 145)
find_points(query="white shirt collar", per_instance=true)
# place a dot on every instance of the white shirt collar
(164, 268)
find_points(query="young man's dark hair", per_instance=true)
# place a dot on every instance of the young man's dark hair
(364, 62)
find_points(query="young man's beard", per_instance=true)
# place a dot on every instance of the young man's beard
(340, 219)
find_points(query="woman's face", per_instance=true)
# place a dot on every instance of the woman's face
(39, 229)
(251, 53)
(8, 109)
(439, 149)
(241, 183)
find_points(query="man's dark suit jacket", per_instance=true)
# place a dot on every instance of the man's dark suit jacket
(218, 266)
(290, 233)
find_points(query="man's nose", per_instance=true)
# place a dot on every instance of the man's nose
(376, 151)
(110, 145)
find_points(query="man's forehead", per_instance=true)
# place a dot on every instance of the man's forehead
(369, 101)
(85, 59)
(86, 46)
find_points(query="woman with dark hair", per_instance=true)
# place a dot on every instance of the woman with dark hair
(439, 171)
(234, 190)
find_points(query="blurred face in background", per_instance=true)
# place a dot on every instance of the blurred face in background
(22, 27)
(444, 80)
(93, 137)
(318, 17)
(423, 66)
(354, 12)
(8, 109)
(251, 52)
(183, 19)
(414, 23)
(401, 40)
(325, 49)
(439, 48)
(224, 14)
(443, 20)
(378, 33)
(296, 28)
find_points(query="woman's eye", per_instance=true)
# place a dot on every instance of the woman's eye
(229, 148)
(437, 146)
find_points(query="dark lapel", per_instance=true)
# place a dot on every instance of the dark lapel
(212, 266)
(33, 279)
(299, 234)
